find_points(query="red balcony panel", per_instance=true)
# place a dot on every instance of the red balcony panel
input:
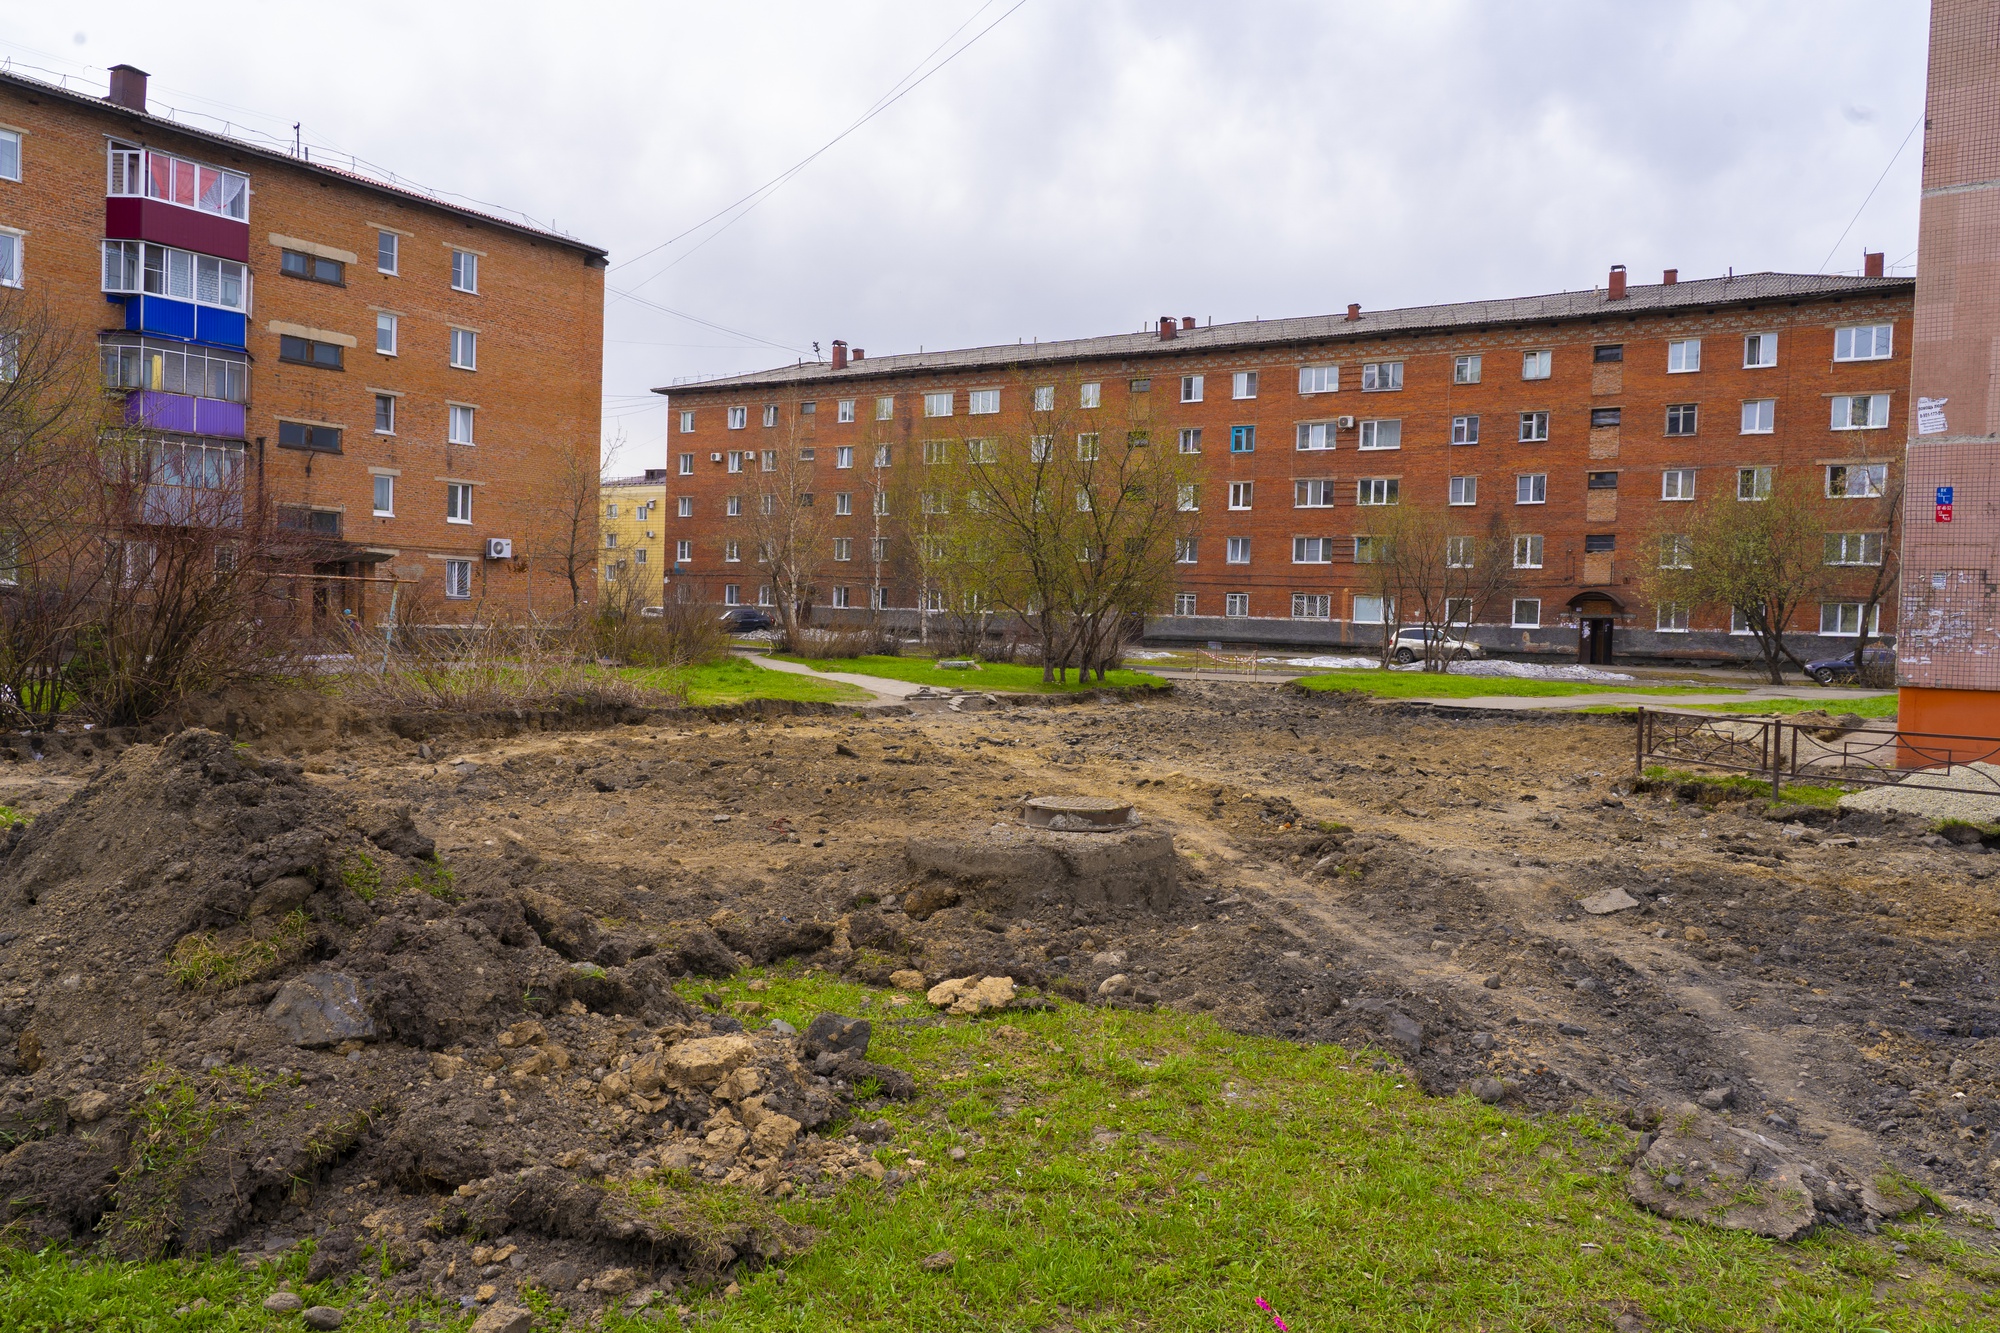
(129, 218)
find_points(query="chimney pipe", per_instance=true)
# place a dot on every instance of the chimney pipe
(840, 354)
(1187, 323)
(1616, 284)
(1353, 310)
(1871, 264)
(1168, 330)
(1670, 277)
(857, 354)
(128, 88)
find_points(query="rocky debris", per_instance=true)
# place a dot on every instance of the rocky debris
(907, 979)
(1396, 1025)
(89, 1108)
(836, 1034)
(1609, 901)
(971, 995)
(1011, 869)
(1489, 1090)
(503, 1319)
(1702, 1170)
(284, 1302)
(322, 1317)
(321, 1009)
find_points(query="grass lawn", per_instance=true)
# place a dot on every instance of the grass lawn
(1153, 1171)
(1003, 677)
(735, 679)
(1757, 788)
(1876, 705)
(1434, 685)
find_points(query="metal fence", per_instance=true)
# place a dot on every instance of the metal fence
(1815, 752)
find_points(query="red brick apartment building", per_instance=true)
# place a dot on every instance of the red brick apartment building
(400, 376)
(1577, 416)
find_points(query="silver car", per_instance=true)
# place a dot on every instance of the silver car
(1410, 644)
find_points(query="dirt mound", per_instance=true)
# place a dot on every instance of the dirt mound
(231, 1002)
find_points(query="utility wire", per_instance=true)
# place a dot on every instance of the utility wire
(1871, 193)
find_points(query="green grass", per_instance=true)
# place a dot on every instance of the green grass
(1154, 1171)
(1000, 677)
(1876, 705)
(1740, 783)
(1435, 685)
(9, 817)
(734, 680)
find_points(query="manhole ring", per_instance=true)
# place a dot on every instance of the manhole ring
(1076, 814)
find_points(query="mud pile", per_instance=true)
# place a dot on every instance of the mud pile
(237, 1011)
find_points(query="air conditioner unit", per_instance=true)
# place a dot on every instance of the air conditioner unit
(1344, 423)
(715, 458)
(652, 536)
(499, 548)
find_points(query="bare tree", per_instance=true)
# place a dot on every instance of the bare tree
(564, 534)
(1886, 571)
(792, 528)
(1438, 572)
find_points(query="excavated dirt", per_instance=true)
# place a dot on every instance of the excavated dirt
(1344, 870)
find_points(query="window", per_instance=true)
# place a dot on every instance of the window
(307, 352)
(1759, 416)
(1465, 370)
(1856, 481)
(937, 451)
(1465, 490)
(767, 503)
(464, 271)
(1239, 494)
(684, 506)
(1860, 411)
(683, 552)
(843, 548)
(1600, 543)
(1236, 604)
(299, 435)
(10, 155)
(1676, 551)
(1465, 430)
(142, 363)
(1681, 418)
(1536, 365)
(1045, 398)
(1238, 551)
(313, 268)
(1381, 376)
(1370, 610)
(1140, 386)
(732, 551)
(1376, 490)
(1191, 440)
(1041, 448)
(1187, 550)
(1312, 550)
(1753, 483)
(1242, 439)
(843, 456)
(937, 404)
(1188, 501)
(768, 459)
(739, 417)
(176, 180)
(1607, 353)
(1316, 435)
(687, 465)
(457, 502)
(134, 266)
(1606, 416)
(1369, 550)
(610, 541)
(1381, 434)
(1854, 548)
(464, 349)
(1528, 551)
(388, 247)
(1184, 604)
(878, 549)
(1312, 606)
(385, 414)
(1531, 488)
(1086, 447)
(1671, 618)
(1863, 342)
(982, 402)
(1528, 611)
(1312, 494)
(1601, 481)
(460, 429)
(1243, 384)
(1191, 387)
(732, 594)
(844, 410)
(10, 259)
(1534, 427)
(1843, 619)
(732, 506)
(1089, 395)
(881, 455)
(1760, 351)
(809, 407)
(1684, 356)
(458, 580)
(385, 333)
(770, 415)
(1458, 552)
(1319, 379)
(385, 496)
(1677, 483)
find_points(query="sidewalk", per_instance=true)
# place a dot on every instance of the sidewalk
(885, 691)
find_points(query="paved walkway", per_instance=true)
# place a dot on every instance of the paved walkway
(884, 690)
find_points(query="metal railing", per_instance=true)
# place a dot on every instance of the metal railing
(1818, 752)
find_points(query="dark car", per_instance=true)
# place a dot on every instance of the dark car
(744, 620)
(1879, 664)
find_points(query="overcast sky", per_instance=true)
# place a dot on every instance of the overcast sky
(1080, 168)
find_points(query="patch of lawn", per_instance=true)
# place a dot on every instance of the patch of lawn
(9, 817)
(1436, 685)
(1875, 705)
(1001, 677)
(736, 679)
(1744, 785)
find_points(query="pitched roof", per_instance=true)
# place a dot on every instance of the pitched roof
(1738, 289)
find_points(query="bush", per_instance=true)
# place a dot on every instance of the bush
(845, 643)
(488, 669)
(682, 634)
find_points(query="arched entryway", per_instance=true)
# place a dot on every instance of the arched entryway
(1597, 616)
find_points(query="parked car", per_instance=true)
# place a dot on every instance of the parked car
(1879, 664)
(1410, 644)
(744, 620)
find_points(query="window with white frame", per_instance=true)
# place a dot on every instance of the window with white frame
(684, 551)
(1189, 500)
(843, 456)
(982, 402)
(732, 551)
(739, 417)
(1854, 548)
(1086, 447)
(1527, 550)
(732, 594)
(1381, 376)
(1376, 490)
(388, 252)
(1044, 398)
(937, 452)
(1187, 550)
(1527, 613)
(1465, 369)
(1753, 483)
(1312, 550)
(460, 428)
(458, 580)
(1372, 610)
(1239, 494)
(878, 549)
(1312, 606)
(385, 414)
(885, 407)
(1671, 618)
(1531, 488)
(1090, 394)
(1319, 379)
(1458, 552)
(842, 598)
(385, 495)
(385, 333)
(882, 455)
(843, 503)
(1760, 351)
(176, 180)
(844, 410)
(843, 548)
(1191, 388)
(1041, 448)
(1316, 435)
(1677, 483)
(1863, 342)
(1683, 356)
(1458, 611)
(733, 460)
(732, 506)
(1760, 416)
(1537, 365)
(1370, 549)
(1856, 481)
(767, 503)
(770, 415)
(684, 506)
(1386, 434)
(10, 155)
(159, 270)
(1236, 604)
(1465, 430)
(1676, 551)
(1534, 427)
(464, 271)
(11, 263)
(464, 349)
(1238, 551)
(1184, 604)
(1190, 440)
(1243, 384)
(1464, 490)
(687, 423)
(687, 465)
(1313, 493)
(457, 502)
(1860, 411)
(1843, 619)
(937, 404)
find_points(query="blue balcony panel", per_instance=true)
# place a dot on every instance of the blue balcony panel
(219, 328)
(165, 317)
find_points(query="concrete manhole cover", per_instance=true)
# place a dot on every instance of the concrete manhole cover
(1076, 814)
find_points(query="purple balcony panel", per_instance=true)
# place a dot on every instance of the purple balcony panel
(213, 416)
(129, 218)
(185, 414)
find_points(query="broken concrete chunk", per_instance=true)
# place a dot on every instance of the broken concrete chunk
(907, 978)
(839, 1034)
(701, 1063)
(1609, 901)
(971, 995)
(503, 1319)
(321, 1009)
(1700, 1171)
(529, 1033)
(89, 1108)
(774, 1134)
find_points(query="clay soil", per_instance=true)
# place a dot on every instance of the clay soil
(1351, 871)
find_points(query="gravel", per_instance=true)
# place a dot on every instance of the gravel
(1964, 791)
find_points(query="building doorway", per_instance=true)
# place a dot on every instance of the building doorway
(1593, 640)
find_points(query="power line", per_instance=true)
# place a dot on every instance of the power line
(1871, 193)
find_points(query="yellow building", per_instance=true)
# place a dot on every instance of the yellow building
(637, 554)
